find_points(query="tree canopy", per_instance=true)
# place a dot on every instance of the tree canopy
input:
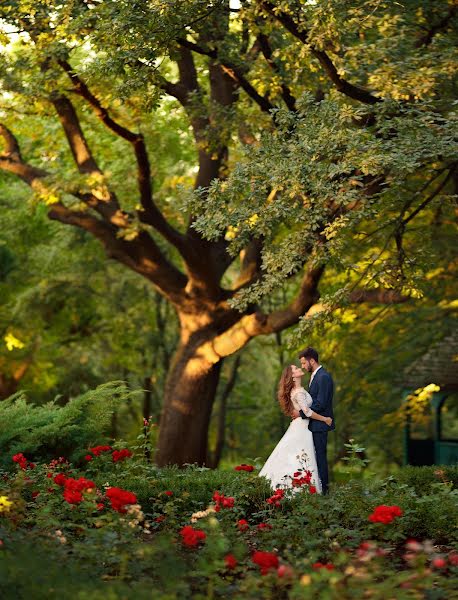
(261, 164)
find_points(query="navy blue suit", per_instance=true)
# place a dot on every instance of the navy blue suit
(322, 391)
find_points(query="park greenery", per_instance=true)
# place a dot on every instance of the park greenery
(112, 525)
(190, 193)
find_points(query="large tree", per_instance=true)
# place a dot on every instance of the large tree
(309, 122)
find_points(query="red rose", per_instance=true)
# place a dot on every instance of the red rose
(159, 519)
(453, 559)
(266, 561)
(21, 460)
(120, 498)
(222, 501)
(285, 571)
(88, 457)
(59, 479)
(439, 563)
(97, 450)
(73, 496)
(242, 524)
(244, 467)
(192, 537)
(78, 485)
(121, 454)
(262, 526)
(385, 514)
(276, 497)
(320, 565)
(312, 489)
(231, 561)
(35, 494)
(168, 493)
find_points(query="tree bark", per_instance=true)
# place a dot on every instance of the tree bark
(188, 400)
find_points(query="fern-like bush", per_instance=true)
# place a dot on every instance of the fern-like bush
(50, 430)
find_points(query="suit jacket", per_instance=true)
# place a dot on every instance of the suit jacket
(322, 392)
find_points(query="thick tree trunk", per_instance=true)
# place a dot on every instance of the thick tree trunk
(188, 400)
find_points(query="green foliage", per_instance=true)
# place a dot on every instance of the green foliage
(51, 430)
(50, 546)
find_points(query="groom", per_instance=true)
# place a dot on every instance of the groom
(321, 388)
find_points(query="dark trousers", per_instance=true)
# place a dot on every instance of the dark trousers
(320, 440)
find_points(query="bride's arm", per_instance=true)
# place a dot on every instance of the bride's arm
(308, 412)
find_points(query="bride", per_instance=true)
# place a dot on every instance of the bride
(293, 461)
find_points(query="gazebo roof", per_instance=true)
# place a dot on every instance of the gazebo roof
(438, 365)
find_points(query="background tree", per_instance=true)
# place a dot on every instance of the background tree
(308, 122)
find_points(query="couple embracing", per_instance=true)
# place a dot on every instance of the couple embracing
(303, 446)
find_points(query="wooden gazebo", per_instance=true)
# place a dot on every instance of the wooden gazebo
(436, 442)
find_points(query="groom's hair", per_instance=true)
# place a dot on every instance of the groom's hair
(309, 353)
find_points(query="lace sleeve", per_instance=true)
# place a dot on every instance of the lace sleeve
(304, 400)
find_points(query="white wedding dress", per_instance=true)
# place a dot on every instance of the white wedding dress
(294, 451)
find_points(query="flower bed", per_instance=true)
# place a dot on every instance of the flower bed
(116, 526)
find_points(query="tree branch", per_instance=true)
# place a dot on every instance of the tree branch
(431, 197)
(341, 84)
(237, 336)
(141, 255)
(426, 39)
(232, 71)
(266, 50)
(377, 296)
(150, 214)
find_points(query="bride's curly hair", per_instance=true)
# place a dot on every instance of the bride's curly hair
(285, 388)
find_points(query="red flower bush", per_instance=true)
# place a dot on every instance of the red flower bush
(385, 514)
(21, 460)
(266, 561)
(277, 496)
(244, 467)
(59, 479)
(319, 565)
(242, 524)
(300, 479)
(74, 488)
(120, 498)
(121, 454)
(192, 537)
(222, 501)
(439, 563)
(97, 450)
(231, 561)
(73, 496)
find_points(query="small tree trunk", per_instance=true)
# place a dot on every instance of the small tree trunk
(188, 399)
(215, 456)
